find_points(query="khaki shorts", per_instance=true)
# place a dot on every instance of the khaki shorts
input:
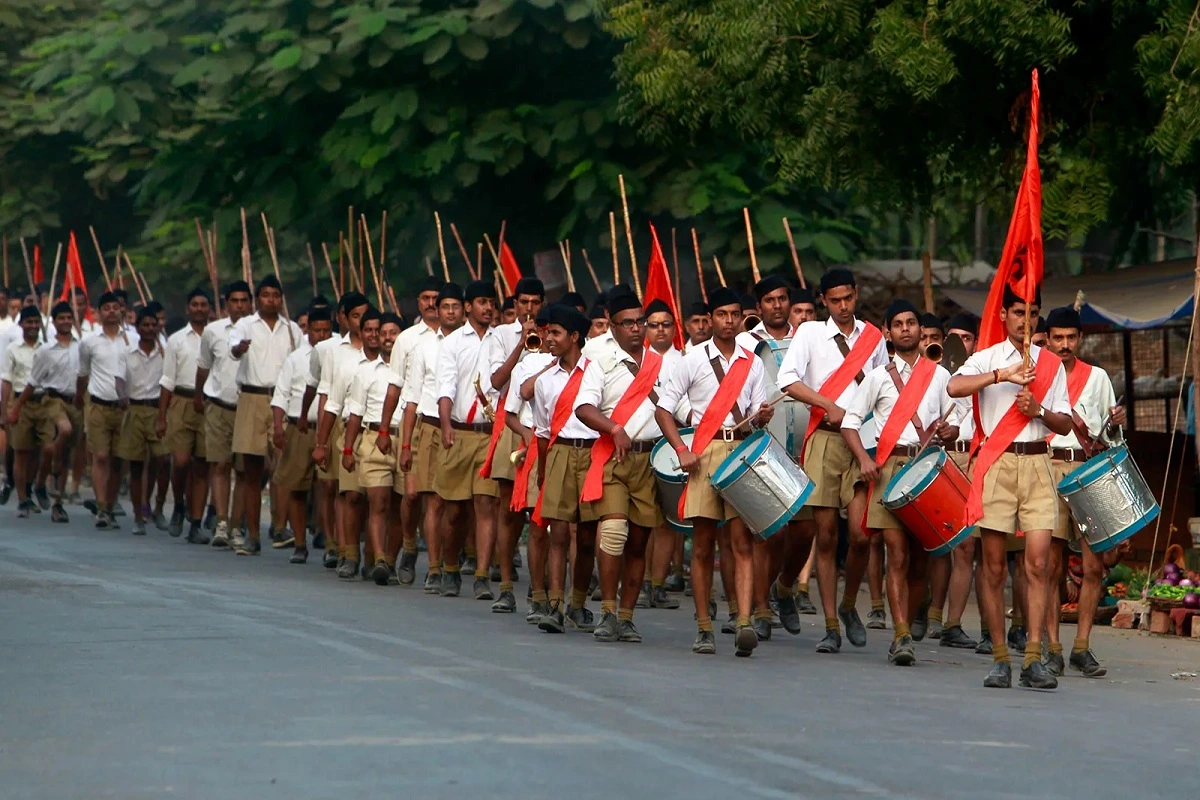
(294, 469)
(375, 470)
(1066, 528)
(185, 427)
(138, 435)
(334, 462)
(878, 517)
(566, 468)
(503, 468)
(702, 499)
(75, 417)
(427, 454)
(347, 481)
(1018, 495)
(833, 469)
(631, 491)
(458, 468)
(103, 425)
(35, 425)
(252, 425)
(218, 433)
(531, 492)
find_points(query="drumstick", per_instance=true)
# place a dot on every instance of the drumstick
(932, 431)
(770, 404)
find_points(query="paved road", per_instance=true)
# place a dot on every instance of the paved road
(149, 668)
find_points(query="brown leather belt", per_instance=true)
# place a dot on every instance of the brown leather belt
(293, 420)
(267, 390)
(906, 451)
(374, 426)
(222, 404)
(96, 401)
(144, 403)
(960, 446)
(1067, 454)
(826, 425)
(68, 398)
(477, 427)
(1039, 448)
(644, 446)
(181, 392)
(577, 443)
(430, 421)
(730, 435)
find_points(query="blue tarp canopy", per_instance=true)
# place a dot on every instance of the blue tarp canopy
(1134, 298)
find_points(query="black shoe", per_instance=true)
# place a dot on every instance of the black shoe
(1055, 664)
(250, 547)
(999, 676)
(90, 505)
(643, 598)
(58, 513)
(674, 583)
(606, 630)
(920, 623)
(705, 643)
(746, 640)
(855, 631)
(101, 520)
(877, 621)
(984, 648)
(433, 583)
(832, 643)
(789, 614)
(347, 570)
(210, 519)
(112, 521)
(506, 603)
(1086, 663)
(317, 542)
(762, 629)
(406, 570)
(805, 604)
(23, 509)
(175, 526)
(730, 625)
(482, 589)
(43, 497)
(330, 560)
(903, 653)
(451, 584)
(626, 632)
(379, 573)
(552, 620)
(936, 629)
(581, 619)
(282, 539)
(661, 599)
(955, 636)
(299, 556)
(1036, 676)
(494, 573)
(1017, 639)
(469, 565)
(535, 612)
(7, 489)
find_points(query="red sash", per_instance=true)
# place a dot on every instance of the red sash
(1076, 380)
(521, 484)
(718, 409)
(636, 394)
(563, 409)
(1010, 425)
(836, 383)
(498, 427)
(902, 413)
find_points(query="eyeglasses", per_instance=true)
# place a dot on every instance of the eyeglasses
(630, 324)
(658, 326)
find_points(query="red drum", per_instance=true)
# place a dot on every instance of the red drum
(929, 496)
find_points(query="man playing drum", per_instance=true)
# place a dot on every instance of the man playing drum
(1018, 403)
(722, 381)
(908, 397)
(834, 356)
(1092, 399)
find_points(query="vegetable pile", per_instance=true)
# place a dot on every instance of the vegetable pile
(1178, 585)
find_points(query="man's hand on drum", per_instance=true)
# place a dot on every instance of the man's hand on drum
(1018, 374)
(947, 432)
(869, 469)
(689, 462)
(765, 412)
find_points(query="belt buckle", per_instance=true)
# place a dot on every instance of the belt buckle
(727, 434)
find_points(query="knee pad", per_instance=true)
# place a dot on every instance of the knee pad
(612, 536)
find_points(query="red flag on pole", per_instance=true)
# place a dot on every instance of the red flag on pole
(75, 278)
(1021, 265)
(512, 273)
(38, 277)
(658, 283)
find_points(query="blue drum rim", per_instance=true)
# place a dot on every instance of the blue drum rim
(1129, 531)
(1073, 481)
(787, 516)
(669, 478)
(958, 539)
(742, 455)
(920, 487)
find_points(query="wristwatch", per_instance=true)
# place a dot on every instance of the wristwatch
(1041, 412)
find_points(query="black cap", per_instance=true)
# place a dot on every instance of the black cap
(622, 302)
(318, 301)
(389, 317)
(107, 297)
(268, 282)
(352, 300)
(319, 314)
(896, 308)
(1065, 317)
(529, 286)
(697, 308)
(928, 320)
(1042, 327)
(575, 300)
(569, 319)
(803, 296)
(154, 306)
(721, 297)
(478, 290)
(749, 303)
(964, 322)
(770, 284)
(431, 284)
(236, 286)
(597, 312)
(836, 277)
(659, 307)
(509, 303)
(450, 291)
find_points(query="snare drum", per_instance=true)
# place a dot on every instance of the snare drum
(929, 496)
(763, 483)
(1108, 498)
(790, 419)
(671, 480)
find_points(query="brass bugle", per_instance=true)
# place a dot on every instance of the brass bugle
(750, 322)
(533, 342)
(933, 351)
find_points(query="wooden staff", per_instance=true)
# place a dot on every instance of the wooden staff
(428, 266)
(216, 275)
(53, 280)
(675, 262)
(462, 249)
(383, 251)
(100, 254)
(750, 244)
(612, 239)
(332, 280)
(133, 275)
(927, 280)
(312, 265)
(208, 262)
(1028, 333)
(247, 268)
(499, 289)
(588, 262)
(437, 221)
(565, 251)
(720, 274)
(787, 228)
(637, 283)
(395, 305)
(496, 258)
(479, 258)
(350, 238)
(362, 262)
(6, 266)
(28, 269)
(346, 247)
(69, 285)
(275, 264)
(699, 266)
(341, 266)
(366, 235)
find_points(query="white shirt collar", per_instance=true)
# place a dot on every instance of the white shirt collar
(710, 349)
(831, 328)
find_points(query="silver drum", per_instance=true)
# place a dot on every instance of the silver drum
(791, 418)
(1108, 498)
(763, 483)
(671, 480)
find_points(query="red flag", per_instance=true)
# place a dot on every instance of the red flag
(512, 273)
(658, 284)
(38, 277)
(75, 278)
(1021, 265)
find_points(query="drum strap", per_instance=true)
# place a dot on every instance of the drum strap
(844, 347)
(1076, 382)
(719, 371)
(856, 358)
(633, 370)
(894, 374)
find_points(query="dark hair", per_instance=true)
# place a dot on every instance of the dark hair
(319, 314)
(371, 314)
(1011, 298)
(388, 317)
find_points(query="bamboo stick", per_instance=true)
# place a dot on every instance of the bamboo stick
(312, 264)
(392, 300)
(133, 275)
(564, 250)
(28, 269)
(362, 262)
(216, 277)
(590, 270)
(637, 281)
(350, 237)
(720, 274)
(750, 244)
(499, 290)
(496, 258)
(332, 279)
(437, 221)
(366, 237)
(675, 263)
(247, 267)
(100, 254)
(612, 238)
(429, 266)
(6, 267)
(787, 228)
(287, 315)
(927, 280)
(383, 252)
(699, 267)
(53, 280)
(118, 278)
(347, 247)
(341, 266)
(462, 249)
(479, 258)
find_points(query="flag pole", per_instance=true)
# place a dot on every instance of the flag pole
(750, 244)
(100, 253)
(612, 238)
(637, 281)
(437, 221)
(699, 266)
(675, 261)
(590, 270)
(787, 228)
